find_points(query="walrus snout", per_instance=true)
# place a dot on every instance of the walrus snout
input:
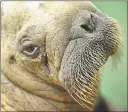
(94, 39)
(99, 29)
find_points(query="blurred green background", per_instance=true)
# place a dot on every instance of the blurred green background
(114, 82)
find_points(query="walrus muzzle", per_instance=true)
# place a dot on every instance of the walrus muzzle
(94, 39)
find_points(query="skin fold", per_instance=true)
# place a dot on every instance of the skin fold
(52, 59)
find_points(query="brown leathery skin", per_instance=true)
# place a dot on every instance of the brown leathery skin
(50, 62)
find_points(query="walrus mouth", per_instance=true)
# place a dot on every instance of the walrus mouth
(85, 55)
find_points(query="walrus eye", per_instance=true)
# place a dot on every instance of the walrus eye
(90, 26)
(29, 49)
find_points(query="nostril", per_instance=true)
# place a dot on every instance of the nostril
(12, 59)
(90, 25)
(87, 28)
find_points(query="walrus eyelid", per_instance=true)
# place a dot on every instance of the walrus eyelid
(24, 38)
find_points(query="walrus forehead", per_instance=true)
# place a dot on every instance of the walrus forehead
(53, 7)
(53, 12)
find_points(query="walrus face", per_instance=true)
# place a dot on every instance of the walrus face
(68, 46)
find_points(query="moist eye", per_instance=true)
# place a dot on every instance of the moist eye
(29, 49)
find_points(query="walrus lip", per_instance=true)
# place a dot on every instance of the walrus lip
(79, 71)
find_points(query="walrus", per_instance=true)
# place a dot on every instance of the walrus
(52, 59)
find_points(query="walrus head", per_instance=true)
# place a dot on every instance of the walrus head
(67, 46)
